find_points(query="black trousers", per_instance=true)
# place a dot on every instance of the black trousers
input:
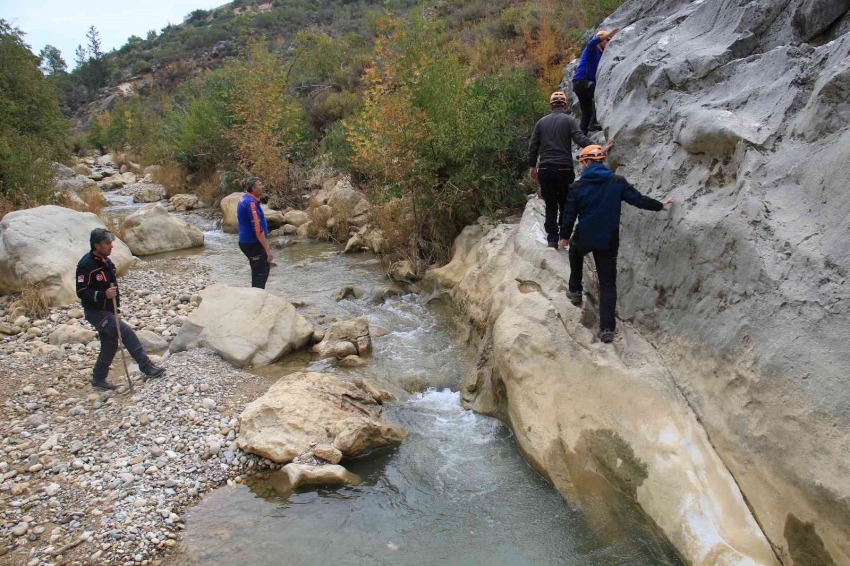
(584, 92)
(554, 186)
(107, 332)
(606, 271)
(256, 255)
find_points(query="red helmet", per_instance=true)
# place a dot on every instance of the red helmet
(592, 153)
(558, 98)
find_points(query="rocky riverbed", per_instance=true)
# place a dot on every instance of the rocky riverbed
(90, 477)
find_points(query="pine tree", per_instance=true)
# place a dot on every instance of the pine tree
(52, 62)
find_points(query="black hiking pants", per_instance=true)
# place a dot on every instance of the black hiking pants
(584, 92)
(606, 271)
(107, 332)
(554, 186)
(259, 261)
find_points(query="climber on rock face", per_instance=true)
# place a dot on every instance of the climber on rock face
(551, 142)
(595, 199)
(584, 79)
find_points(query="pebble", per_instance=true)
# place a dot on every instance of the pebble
(20, 529)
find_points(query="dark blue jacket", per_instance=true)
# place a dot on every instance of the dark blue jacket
(252, 220)
(595, 200)
(589, 62)
(94, 276)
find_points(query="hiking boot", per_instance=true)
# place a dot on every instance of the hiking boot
(103, 385)
(606, 335)
(153, 372)
(574, 297)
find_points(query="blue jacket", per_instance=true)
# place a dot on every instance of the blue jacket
(595, 199)
(252, 220)
(589, 62)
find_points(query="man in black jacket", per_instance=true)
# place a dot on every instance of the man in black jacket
(595, 199)
(97, 285)
(551, 144)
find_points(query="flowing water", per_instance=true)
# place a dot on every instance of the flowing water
(456, 492)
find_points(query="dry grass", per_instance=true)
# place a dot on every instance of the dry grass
(208, 190)
(172, 177)
(114, 225)
(6, 206)
(319, 216)
(395, 219)
(34, 301)
(94, 199)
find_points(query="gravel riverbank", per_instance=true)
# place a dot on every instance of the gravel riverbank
(102, 478)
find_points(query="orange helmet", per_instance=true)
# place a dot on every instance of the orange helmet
(592, 153)
(558, 98)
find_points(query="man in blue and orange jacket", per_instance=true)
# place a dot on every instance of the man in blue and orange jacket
(584, 79)
(253, 232)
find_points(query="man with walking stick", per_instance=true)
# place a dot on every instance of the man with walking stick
(97, 288)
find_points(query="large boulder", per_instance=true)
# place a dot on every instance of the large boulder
(69, 334)
(43, 245)
(740, 111)
(184, 202)
(152, 230)
(601, 421)
(346, 338)
(367, 239)
(344, 198)
(149, 192)
(117, 181)
(274, 218)
(246, 326)
(304, 409)
(296, 217)
(229, 221)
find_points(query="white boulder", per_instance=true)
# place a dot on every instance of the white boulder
(43, 245)
(246, 326)
(152, 230)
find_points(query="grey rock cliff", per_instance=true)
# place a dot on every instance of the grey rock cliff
(740, 110)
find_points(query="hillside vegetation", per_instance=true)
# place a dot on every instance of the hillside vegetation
(428, 106)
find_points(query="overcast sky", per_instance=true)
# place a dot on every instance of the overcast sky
(63, 23)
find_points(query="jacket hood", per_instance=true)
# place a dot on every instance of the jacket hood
(597, 173)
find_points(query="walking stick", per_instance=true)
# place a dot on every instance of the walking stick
(120, 345)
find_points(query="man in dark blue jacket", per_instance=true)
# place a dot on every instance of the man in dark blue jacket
(97, 287)
(595, 199)
(584, 79)
(253, 231)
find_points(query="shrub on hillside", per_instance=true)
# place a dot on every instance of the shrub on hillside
(33, 132)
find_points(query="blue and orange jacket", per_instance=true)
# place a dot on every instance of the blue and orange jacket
(94, 276)
(252, 221)
(595, 199)
(589, 62)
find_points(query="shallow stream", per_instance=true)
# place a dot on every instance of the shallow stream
(456, 492)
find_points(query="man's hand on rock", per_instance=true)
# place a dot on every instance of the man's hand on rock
(562, 245)
(608, 146)
(668, 203)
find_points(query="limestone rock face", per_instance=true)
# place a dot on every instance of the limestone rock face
(346, 338)
(403, 270)
(590, 415)
(152, 230)
(246, 326)
(740, 112)
(43, 245)
(229, 222)
(149, 193)
(303, 408)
